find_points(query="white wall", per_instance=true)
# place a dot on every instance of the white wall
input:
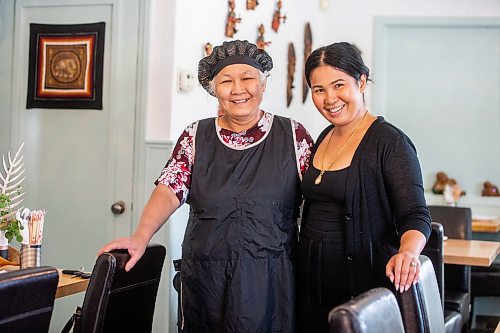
(179, 29)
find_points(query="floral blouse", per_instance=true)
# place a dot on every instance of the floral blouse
(177, 172)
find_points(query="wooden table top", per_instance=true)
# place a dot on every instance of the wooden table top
(491, 226)
(68, 284)
(470, 252)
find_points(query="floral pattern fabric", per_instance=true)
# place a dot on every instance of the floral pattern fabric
(177, 172)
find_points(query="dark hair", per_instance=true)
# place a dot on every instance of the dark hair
(343, 56)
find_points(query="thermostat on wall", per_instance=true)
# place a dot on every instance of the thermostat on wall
(186, 80)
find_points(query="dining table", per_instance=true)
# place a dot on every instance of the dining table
(67, 285)
(470, 252)
(486, 225)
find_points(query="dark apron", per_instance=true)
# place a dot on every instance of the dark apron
(238, 253)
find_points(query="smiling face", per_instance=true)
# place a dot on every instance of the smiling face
(239, 89)
(337, 95)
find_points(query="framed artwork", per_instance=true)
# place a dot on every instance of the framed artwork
(66, 66)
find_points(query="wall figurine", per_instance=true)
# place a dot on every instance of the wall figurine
(232, 20)
(207, 49)
(290, 74)
(251, 4)
(261, 42)
(452, 192)
(307, 52)
(277, 17)
(490, 190)
(440, 183)
(448, 187)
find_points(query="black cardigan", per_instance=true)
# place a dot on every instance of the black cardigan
(384, 199)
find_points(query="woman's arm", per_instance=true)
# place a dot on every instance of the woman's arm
(162, 203)
(404, 186)
(171, 191)
(403, 268)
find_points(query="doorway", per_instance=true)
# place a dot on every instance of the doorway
(78, 162)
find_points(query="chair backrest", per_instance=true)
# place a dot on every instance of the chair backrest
(120, 301)
(27, 299)
(434, 251)
(374, 311)
(457, 223)
(421, 306)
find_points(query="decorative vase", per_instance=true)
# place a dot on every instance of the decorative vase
(4, 246)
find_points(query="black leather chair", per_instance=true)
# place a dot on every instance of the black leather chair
(485, 282)
(27, 299)
(457, 224)
(420, 306)
(120, 301)
(434, 251)
(375, 311)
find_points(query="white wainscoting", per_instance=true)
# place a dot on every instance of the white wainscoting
(157, 154)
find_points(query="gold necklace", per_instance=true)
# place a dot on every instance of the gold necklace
(318, 179)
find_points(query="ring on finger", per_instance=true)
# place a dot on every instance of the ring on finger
(413, 264)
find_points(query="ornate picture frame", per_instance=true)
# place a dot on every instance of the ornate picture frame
(66, 66)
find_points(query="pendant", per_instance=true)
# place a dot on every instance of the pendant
(318, 179)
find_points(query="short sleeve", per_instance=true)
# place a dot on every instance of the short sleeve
(303, 146)
(177, 172)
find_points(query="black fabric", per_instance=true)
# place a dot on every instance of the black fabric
(331, 190)
(236, 59)
(27, 298)
(384, 199)
(239, 247)
(211, 64)
(322, 267)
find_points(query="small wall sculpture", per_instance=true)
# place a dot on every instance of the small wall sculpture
(261, 42)
(290, 74)
(232, 20)
(490, 190)
(448, 187)
(307, 52)
(277, 17)
(207, 49)
(251, 4)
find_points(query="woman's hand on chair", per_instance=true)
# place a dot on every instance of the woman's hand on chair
(135, 246)
(403, 269)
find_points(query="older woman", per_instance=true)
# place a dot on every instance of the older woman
(366, 220)
(240, 174)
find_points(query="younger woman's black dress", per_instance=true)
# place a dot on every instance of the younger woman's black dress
(322, 268)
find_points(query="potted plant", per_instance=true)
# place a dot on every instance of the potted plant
(11, 196)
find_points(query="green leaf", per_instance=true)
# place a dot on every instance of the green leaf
(19, 238)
